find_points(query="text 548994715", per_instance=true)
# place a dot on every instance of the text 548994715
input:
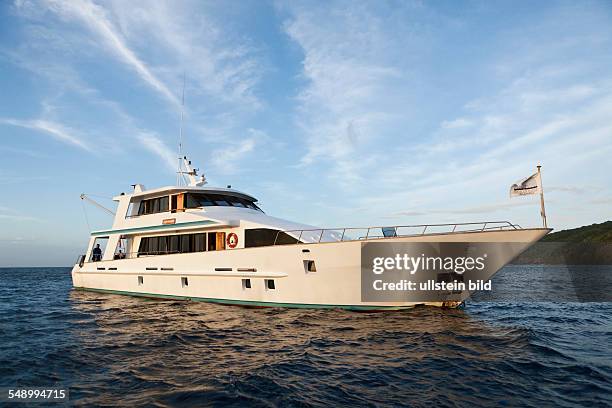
(25, 394)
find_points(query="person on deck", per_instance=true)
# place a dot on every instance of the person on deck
(97, 254)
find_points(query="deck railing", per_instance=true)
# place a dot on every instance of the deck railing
(318, 235)
(313, 236)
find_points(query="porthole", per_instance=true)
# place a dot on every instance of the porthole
(270, 284)
(184, 281)
(309, 266)
(140, 281)
(246, 284)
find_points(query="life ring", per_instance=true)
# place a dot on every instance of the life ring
(232, 240)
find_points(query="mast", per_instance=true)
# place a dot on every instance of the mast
(542, 209)
(179, 172)
(186, 175)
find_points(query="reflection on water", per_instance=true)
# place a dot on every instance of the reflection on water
(112, 349)
(559, 283)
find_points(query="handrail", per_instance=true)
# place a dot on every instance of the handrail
(318, 238)
(317, 235)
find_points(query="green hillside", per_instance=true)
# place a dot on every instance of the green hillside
(588, 245)
(589, 233)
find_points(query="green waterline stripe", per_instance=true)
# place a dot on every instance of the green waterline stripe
(244, 302)
(153, 228)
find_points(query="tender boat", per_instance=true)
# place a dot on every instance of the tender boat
(202, 243)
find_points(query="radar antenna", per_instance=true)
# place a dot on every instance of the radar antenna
(184, 165)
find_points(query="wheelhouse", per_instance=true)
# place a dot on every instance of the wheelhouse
(180, 201)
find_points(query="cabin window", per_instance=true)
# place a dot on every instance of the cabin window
(184, 281)
(162, 245)
(257, 237)
(212, 241)
(153, 245)
(199, 242)
(140, 281)
(270, 284)
(153, 205)
(173, 244)
(186, 243)
(246, 284)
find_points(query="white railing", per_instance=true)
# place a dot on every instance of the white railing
(311, 236)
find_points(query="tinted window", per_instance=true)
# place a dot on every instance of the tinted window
(211, 199)
(170, 244)
(219, 199)
(186, 243)
(163, 204)
(200, 242)
(263, 236)
(212, 241)
(153, 206)
(174, 244)
(191, 201)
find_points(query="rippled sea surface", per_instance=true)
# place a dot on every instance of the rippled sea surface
(120, 350)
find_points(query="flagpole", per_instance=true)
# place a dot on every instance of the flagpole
(542, 210)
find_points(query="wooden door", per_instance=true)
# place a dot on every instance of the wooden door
(180, 202)
(220, 240)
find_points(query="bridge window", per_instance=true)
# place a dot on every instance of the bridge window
(153, 205)
(196, 200)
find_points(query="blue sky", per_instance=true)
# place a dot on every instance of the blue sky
(331, 113)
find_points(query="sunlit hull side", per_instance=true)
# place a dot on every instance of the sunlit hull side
(218, 276)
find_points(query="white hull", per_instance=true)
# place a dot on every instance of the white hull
(335, 284)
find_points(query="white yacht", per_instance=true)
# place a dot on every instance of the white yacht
(196, 242)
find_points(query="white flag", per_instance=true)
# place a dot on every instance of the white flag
(529, 185)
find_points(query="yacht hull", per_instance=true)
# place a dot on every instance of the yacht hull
(219, 276)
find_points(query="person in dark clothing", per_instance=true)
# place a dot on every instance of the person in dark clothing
(97, 254)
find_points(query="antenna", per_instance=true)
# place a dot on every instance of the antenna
(179, 173)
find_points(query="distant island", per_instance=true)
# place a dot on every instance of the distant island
(587, 245)
(589, 233)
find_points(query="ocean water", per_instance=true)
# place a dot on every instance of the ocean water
(514, 348)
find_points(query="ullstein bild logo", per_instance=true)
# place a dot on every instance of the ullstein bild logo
(430, 272)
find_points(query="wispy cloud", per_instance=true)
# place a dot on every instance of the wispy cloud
(159, 41)
(349, 74)
(156, 145)
(481, 209)
(602, 201)
(56, 130)
(456, 123)
(95, 18)
(11, 215)
(194, 41)
(229, 159)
